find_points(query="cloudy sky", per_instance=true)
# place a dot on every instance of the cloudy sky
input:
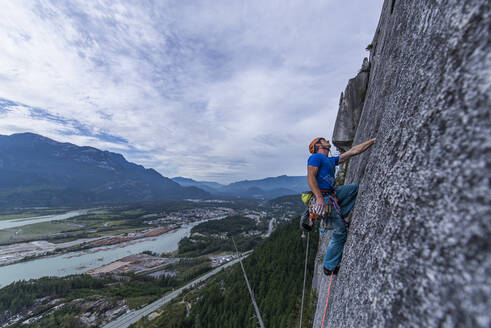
(211, 90)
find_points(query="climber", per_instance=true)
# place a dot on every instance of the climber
(320, 177)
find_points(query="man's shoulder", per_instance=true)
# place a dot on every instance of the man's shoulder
(320, 156)
(316, 157)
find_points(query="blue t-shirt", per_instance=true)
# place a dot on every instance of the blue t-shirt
(327, 169)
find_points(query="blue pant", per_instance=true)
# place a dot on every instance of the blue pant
(346, 196)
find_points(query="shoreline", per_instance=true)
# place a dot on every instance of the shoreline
(55, 264)
(20, 222)
(83, 246)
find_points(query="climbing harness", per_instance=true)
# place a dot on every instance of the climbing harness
(332, 202)
(304, 277)
(313, 212)
(327, 300)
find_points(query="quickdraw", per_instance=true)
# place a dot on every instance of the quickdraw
(331, 204)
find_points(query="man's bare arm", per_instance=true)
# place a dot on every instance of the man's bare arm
(312, 181)
(358, 149)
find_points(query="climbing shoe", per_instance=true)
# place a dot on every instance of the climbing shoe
(305, 221)
(328, 272)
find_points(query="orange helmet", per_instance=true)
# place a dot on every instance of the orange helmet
(312, 144)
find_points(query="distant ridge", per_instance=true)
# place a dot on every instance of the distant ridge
(38, 171)
(267, 188)
(212, 187)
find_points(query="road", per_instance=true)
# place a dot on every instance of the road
(270, 228)
(133, 316)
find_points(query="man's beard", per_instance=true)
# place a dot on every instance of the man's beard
(326, 148)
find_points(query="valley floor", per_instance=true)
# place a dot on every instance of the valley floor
(128, 283)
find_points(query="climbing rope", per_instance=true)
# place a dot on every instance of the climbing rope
(304, 277)
(327, 300)
(258, 314)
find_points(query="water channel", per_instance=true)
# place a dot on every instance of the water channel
(6, 224)
(81, 261)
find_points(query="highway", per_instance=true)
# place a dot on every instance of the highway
(270, 227)
(133, 316)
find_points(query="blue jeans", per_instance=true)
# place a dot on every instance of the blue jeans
(346, 196)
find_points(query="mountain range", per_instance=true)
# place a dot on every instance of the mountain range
(267, 188)
(38, 171)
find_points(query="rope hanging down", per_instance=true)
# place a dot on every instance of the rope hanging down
(249, 287)
(304, 277)
(327, 300)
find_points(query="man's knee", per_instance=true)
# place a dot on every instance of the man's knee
(340, 228)
(352, 188)
(339, 237)
(347, 191)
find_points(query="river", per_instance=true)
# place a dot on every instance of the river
(6, 224)
(81, 261)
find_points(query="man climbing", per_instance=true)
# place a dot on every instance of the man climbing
(321, 180)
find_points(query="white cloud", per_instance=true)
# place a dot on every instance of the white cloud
(19, 119)
(222, 89)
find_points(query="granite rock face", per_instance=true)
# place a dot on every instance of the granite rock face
(418, 249)
(350, 107)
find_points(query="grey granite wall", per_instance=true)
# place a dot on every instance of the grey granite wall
(418, 249)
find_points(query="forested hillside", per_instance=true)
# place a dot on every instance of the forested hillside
(214, 236)
(275, 271)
